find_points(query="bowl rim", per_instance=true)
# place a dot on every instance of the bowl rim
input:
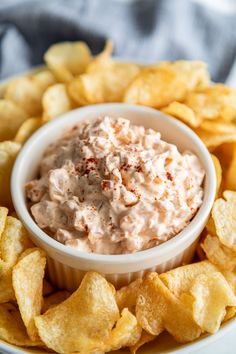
(131, 258)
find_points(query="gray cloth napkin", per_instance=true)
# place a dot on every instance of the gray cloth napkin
(145, 30)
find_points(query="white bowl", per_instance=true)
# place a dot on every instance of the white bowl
(66, 266)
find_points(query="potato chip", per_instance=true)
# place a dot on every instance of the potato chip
(3, 218)
(159, 85)
(27, 278)
(212, 141)
(158, 309)
(11, 118)
(54, 299)
(180, 279)
(145, 338)
(12, 329)
(8, 152)
(102, 60)
(14, 241)
(6, 289)
(68, 59)
(26, 94)
(230, 178)
(27, 128)
(218, 170)
(126, 332)
(212, 294)
(230, 312)
(105, 85)
(82, 322)
(217, 126)
(127, 295)
(223, 213)
(56, 101)
(44, 79)
(220, 255)
(213, 102)
(182, 112)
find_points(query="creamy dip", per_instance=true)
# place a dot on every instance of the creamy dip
(111, 187)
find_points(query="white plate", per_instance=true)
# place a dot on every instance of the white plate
(163, 344)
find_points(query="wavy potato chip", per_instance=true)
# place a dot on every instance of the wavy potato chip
(27, 279)
(26, 94)
(82, 322)
(223, 213)
(127, 295)
(145, 338)
(54, 299)
(12, 329)
(126, 332)
(101, 60)
(158, 309)
(180, 279)
(212, 141)
(68, 59)
(56, 101)
(218, 170)
(105, 85)
(182, 112)
(28, 127)
(230, 178)
(212, 294)
(159, 85)
(223, 257)
(14, 240)
(213, 102)
(44, 79)
(8, 153)
(11, 118)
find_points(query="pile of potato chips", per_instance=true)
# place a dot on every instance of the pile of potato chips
(97, 318)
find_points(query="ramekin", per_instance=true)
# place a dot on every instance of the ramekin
(66, 266)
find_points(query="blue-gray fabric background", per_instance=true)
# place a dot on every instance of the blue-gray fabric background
(147, 30)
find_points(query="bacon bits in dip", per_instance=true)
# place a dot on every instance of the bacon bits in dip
(110, 187)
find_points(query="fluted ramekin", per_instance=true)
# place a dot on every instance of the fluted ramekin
(66, 266)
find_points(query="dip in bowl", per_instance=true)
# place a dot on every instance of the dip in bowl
(115, 188)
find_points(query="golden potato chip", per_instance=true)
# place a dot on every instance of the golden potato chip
(8, 152)
(158, 309)
(162, 84)
(230, 178)
(14, 241)
(27, 128)
(223, 213)
(3, 218)
(26, 94)
(220, 255)
(182, 112)
(127, 295)
(82, 322)
(102, 60)
(27, 279)
(56, 101)
(213, 102)
(212, 294)
(54, 299)
(145, 338)
(11, 118)
(212, 141)
(67, 59)
(218, 170)
(6, 289)
(216, 127)
(230, 312)
(105, 85)
(44, 79)
(180, 279)
(126, 332)
(12, 329)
